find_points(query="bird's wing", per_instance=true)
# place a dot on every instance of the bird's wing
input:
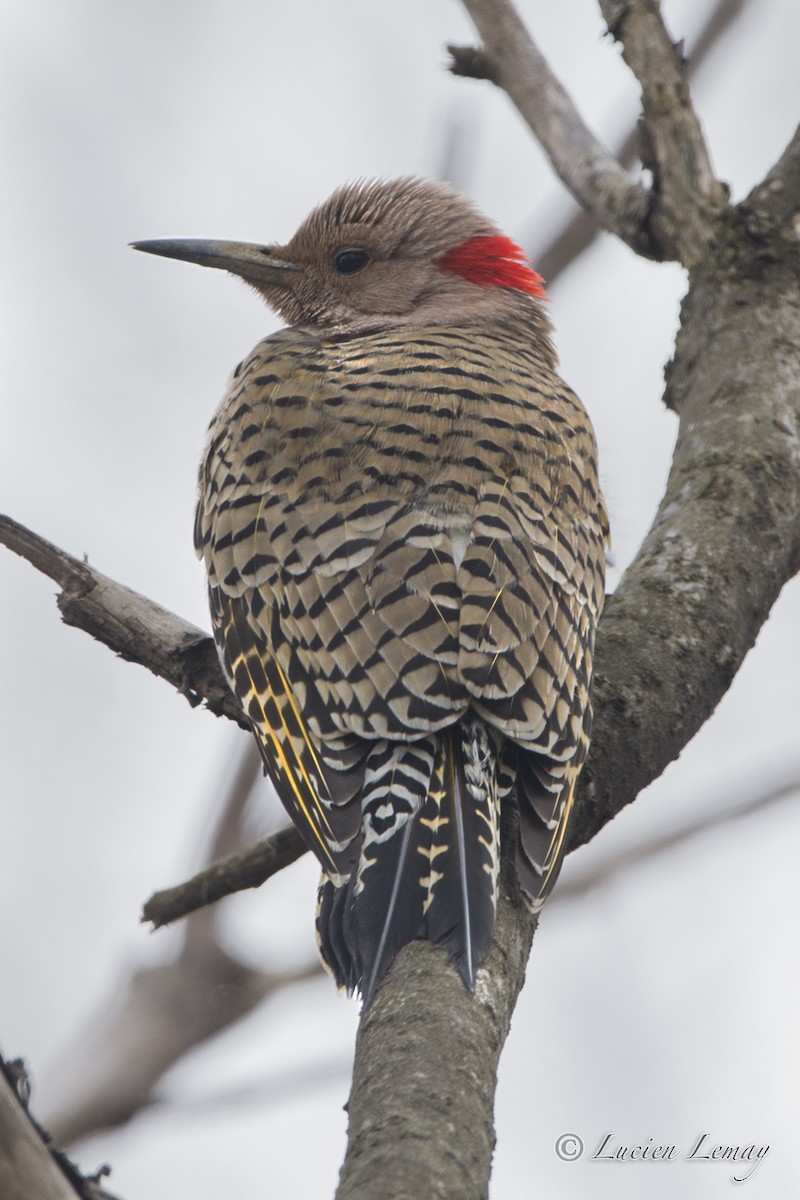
(334, 599)
(532, 579)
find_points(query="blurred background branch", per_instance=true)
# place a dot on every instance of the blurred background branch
(160, 1013)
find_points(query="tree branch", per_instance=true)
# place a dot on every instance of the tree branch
(775, 202)
(512, 60)
(581, 230)
(425, 1072)
(687, 192)
(137, 629)
(674, 219)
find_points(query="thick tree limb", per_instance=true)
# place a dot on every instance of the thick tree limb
(727, 534)
(420, 1108)
(245, 869)
(512, 60)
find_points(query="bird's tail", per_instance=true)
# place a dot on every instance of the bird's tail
(545, 802)
(428, 860)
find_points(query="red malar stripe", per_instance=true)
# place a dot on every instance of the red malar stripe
(493, 262)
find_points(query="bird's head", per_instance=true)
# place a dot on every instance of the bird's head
(378, 255)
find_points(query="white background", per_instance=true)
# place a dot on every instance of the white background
(663, 1003)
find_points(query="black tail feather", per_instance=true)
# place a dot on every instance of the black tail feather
(331, 942)
(428, 862)
(545, 805)
(462, 909)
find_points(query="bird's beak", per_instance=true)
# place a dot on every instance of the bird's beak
(259, 265)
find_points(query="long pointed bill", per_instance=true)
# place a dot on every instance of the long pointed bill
(256, 264)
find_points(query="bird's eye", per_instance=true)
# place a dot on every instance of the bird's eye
(348, 262)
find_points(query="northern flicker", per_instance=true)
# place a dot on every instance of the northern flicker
(403, 531)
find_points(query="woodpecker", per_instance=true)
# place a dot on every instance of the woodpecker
(404, 537)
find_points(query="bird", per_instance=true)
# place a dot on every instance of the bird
(404, 537)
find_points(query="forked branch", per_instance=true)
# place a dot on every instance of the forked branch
(673, 219)
(512, 60)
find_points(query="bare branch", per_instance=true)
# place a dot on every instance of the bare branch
(514, 62)
(579, 232)
(138, 629)
(687, 192)
(248, 869)
(673, 220)
(161, 1014)
(725, 539)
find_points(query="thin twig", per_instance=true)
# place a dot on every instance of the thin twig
(138, 629)
(515, 63)
(247, 869)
